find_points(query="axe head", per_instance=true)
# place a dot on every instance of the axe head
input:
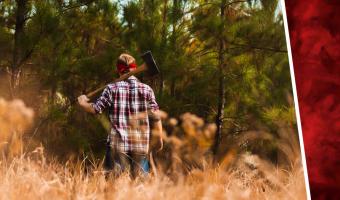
(150, 63)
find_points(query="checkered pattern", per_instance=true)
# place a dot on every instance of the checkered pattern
(128, 103)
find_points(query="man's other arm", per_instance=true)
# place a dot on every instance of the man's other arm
(156, 119)
(158, 127)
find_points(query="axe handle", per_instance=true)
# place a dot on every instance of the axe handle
(139, 69)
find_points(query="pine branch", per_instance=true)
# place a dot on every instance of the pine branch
(234, 2)
(211, 3)
(201, 105)
(198, 7)
(67, 8)
(259, 48)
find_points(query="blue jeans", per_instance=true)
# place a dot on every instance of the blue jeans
(119, 162)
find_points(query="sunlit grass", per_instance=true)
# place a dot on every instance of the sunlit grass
(182, 171)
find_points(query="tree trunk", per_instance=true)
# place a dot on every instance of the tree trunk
(173, 88)
(174, 21)
(221, 89)
(18, 50)
(164, 27)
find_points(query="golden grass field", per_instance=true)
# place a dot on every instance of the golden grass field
(30, 175)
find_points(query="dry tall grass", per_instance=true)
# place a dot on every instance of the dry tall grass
(183, 170)
(14, 118)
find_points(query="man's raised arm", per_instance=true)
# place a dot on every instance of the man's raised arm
(84, 103)
(103, 102)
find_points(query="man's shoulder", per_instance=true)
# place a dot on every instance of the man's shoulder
(144, 86)
(124, 84)
(112, 86)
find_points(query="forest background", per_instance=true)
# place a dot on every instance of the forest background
(223, 60)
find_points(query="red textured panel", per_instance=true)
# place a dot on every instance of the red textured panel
(314, 27)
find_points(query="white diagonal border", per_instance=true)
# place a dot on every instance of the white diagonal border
(296, 103)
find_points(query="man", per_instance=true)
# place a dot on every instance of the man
(131, 106)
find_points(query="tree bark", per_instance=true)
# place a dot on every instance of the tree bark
(164, 27)
(173, 88)
(18, 49)
(221, 88)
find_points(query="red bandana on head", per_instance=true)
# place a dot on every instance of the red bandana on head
(122, 67)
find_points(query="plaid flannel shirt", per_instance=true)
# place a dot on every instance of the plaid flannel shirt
(128, 103)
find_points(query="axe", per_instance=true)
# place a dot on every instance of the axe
(149, 66)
